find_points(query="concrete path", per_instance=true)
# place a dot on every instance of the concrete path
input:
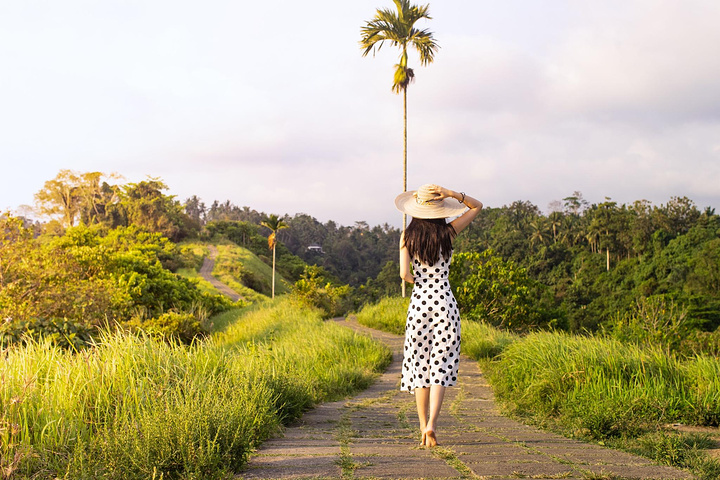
(206, 273)
(374, 435)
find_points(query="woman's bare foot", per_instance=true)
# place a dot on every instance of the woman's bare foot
(423, 440)
(430, 440)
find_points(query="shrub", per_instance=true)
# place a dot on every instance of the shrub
(184, 327)
(491, 289)
(63, 332)
(87, 279)
(192, 255)
(655, 320)
(313, 290)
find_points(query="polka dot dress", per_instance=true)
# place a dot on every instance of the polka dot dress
(432, 330)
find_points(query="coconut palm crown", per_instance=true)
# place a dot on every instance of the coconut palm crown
(398, 29)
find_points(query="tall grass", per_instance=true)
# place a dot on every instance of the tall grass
(388, 314)
(602, 387)
(132, 407)
(618, 393)
(479, 340)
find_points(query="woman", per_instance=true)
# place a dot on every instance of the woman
(432, 329)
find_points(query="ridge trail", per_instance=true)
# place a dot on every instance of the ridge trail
(375, 435)
(206, 273)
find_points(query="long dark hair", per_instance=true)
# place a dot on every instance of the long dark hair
(428, 238)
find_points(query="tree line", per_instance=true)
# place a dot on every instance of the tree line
(580, 267)
(106, 252)
(596, 266)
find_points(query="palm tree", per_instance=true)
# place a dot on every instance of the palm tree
(555, 222)
(274, 223)
(540, 230)
(398, 29)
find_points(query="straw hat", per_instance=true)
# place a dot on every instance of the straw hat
(421, 203)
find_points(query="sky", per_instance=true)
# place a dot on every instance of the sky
(271, 104)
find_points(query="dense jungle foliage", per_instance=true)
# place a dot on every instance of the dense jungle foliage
(589, 266)
(581, 267)
(635, 269)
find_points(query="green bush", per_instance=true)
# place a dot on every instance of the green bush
(192, 255)
(493, 290)
(63, 332)
(654, 320)
(171, 325)
(90, 277)
(314, 290)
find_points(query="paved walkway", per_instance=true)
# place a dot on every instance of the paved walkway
(206, 273)
(374, 435)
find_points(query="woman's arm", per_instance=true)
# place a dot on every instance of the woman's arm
(405, 272)
(463, 220)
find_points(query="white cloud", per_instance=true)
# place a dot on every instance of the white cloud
(272, 106)
(640, 61)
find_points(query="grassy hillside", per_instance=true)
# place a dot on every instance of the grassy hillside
(135, 408)
(238, 265)
(238, 268)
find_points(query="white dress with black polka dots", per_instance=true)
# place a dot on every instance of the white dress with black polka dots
(432, 330)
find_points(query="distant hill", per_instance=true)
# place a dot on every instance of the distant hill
(240, 269)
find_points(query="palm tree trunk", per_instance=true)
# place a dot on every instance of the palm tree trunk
(402, 280)
(273, 274)
(608, 258)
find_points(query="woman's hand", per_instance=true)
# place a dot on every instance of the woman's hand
(441, 192)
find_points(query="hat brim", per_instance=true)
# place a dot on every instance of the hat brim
(447, 207)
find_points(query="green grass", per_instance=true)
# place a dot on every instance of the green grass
(233, 265)
(388, 314)
(686, 450)
(604, 387)
(238, 268)
(620, 394)
(192, 275)
(483, 341)
(132, 407)
(479, 340)
(244, 272)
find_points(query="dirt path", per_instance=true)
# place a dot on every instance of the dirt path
(206, 273)
(374, 435)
